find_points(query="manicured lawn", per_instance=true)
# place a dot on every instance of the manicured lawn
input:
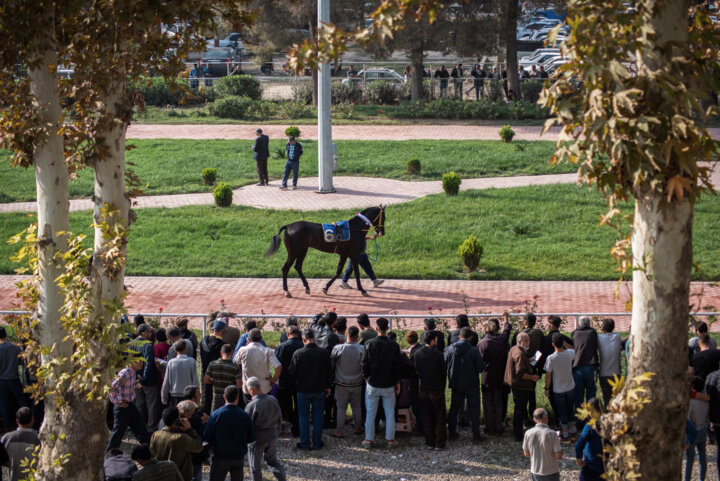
(544, 233)
(174, 166)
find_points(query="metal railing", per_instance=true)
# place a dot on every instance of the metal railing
(575, 315)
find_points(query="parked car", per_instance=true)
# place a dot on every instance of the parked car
(538, 57)
(220, 61)
(371, 74)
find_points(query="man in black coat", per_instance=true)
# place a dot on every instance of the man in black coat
(493, 348)
(430, 367)
(464, 366)
(209, 352)
(287, 393)
(261, 152)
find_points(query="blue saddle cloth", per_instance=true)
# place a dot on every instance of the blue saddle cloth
(337, 231)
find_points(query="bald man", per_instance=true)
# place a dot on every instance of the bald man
(519, 376)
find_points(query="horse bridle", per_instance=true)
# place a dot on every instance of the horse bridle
(371, 224)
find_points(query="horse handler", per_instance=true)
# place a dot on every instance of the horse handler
(364, 262)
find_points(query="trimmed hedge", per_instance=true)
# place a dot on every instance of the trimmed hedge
(159, 92)
(231, 107)
(238, 85)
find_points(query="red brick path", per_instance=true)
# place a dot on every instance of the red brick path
(256, 296)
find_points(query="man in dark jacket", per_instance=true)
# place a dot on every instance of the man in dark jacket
(147, 397)
(382, 369)
(461, 320)
(493, 348)
(464, 365)
(536, 339)
(287, 394)
(457, 75)
(443, 75)
(261, 152)
(326, 338)
(585, 366)
(294, 150)
(712, 388)
(210, 351)
(430, 326)
(430, 367)
(310, 366)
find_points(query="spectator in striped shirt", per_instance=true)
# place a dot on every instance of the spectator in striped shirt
(125, 412)
(152, 469)
(221, 374)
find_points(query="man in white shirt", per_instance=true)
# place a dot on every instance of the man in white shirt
(542, 445)
(256, 360)
(610, 348)
(180, 373)
(559, 375)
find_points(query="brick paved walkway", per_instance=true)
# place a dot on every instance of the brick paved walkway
(352, 193)
(450, 131)
(253, 296)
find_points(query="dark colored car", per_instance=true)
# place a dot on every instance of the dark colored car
(220, 61)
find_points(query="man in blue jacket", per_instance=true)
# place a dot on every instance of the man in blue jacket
(261, 152)
(294, 150)
(464, 365)
(228, 432)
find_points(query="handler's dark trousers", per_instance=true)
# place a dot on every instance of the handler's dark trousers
(262, 170)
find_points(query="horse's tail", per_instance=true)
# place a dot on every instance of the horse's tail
(275, 243)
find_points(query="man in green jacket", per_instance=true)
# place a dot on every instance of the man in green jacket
(176, 442)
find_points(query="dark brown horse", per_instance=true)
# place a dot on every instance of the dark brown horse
(301, 235)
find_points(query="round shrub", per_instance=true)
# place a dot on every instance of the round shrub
(238, 85)
(494, 90)
(413, 166)
(303, 93)
(231, 107)
(297, 110)
(209, 175)
(470, 251)
(381, 92)
(406, 90)
(451, 183)
(223, 195)
(507, 133)
(292, 131)
(530, 89)
(343, 93)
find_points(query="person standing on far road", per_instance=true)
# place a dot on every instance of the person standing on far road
(261, 152)
(294, 150)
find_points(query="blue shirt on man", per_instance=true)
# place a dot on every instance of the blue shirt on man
(228, 432)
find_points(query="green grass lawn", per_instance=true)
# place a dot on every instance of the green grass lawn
(540, 232)
(174, 166)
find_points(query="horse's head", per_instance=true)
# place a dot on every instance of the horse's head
(376, 215)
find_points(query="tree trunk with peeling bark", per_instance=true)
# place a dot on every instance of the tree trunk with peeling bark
(662, 251)
(416, 59)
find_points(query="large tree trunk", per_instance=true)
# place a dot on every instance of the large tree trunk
(511, 47)
(416, 59)
(662, 249)
(662, 253)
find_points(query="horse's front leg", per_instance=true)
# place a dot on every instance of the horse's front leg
(356, 268)
(341, 264)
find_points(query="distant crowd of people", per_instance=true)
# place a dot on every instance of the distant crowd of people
(245, 390)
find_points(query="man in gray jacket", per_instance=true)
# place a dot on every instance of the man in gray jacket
(266, 416)
(347, 371)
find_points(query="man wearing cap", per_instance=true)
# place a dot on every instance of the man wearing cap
(261, 153)
(209, 352)
(293, 150)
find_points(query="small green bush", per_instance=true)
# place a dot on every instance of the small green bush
(231, 107)
(262, 109)
(159, 92)
(530, 89)
(451, 183)
(494, 90)
(209, 174)
(238, 85)
(297, 110)
(413, 166)
(345, 110)
(381, 92)
(470, 251)
(507, 133)
(292, 131)
(406, 90)
(344, 93)
(303, 93)
(223, 195)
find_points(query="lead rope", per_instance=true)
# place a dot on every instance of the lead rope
(377, 251)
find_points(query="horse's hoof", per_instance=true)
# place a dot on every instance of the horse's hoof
(325, 291)
(364, 293)
(307, 291)
(287, 294)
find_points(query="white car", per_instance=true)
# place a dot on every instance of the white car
(372, 74)
(538, 57)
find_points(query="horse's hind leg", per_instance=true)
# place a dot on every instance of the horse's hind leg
(285, 270)
(341, 264)
(356, 268)
(298, 267)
